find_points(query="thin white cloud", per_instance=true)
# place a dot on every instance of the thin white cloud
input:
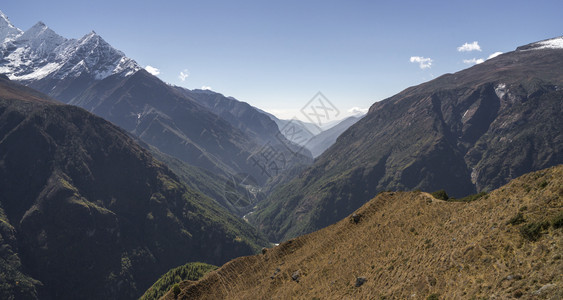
(469, 47)
(184, 74)
(423, 62)
(494, 55)
(154, 71)
(206, 88)
(473, 61)
(358, 110)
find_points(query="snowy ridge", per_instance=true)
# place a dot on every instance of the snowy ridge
(554, 43)
(7, 30)
(41, 39)
(40, 53)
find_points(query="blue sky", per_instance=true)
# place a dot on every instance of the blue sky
(276, 55)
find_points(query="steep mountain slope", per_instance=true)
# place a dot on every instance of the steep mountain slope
(228, 191)
(87, 213)
(400, 245)
(465, 132)
(250, 120)
(147, 107)
(322, 141)
(239, 114)
(260, 127)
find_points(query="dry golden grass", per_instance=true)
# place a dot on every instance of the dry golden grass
(410, 245)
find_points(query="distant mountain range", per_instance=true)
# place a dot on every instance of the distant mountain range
(87, 213)
(310, 136)
(41, 56)
(465, 132)
(322, 141)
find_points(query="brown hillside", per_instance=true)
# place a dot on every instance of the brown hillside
(410, 245)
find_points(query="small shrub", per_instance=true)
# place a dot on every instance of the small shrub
(470, 197)
(176, 290)
(517, 219)
(543, 184)
(533, 231)
(433, 297)
(440, 194)
(557, 221)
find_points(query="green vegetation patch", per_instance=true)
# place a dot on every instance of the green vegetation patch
(532, 231)
(470, 198)
(433, 297)
(517, 219)
(190, 271)
(557, 221)
(440, 194)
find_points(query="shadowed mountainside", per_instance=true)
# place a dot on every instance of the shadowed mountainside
(87, 213)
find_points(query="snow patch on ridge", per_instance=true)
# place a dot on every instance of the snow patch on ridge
(500, 90)
(555, 43)
(37, 73)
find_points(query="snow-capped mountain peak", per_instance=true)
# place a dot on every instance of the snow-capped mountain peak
(7, 30)
(40, 53)
(34, 32)
(41, 39)
(93, 55)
